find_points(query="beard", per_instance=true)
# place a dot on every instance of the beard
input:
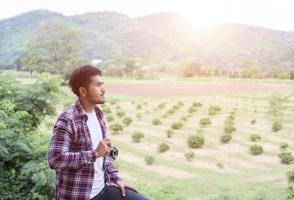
(98, 101)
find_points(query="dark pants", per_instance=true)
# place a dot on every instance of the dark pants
(113, 193)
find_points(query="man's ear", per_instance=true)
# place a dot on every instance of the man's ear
(83, 91)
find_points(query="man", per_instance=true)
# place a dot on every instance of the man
(79, 148)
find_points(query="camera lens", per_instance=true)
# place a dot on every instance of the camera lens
(114, 153)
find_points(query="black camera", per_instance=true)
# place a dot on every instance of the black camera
(113, 153)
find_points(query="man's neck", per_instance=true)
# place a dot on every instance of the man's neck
(87, 106)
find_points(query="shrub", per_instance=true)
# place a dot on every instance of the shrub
(160, 106)
(163, 147)
(169, 133)
(255, 137)
(225, 138)
(120, 113)
(253, 121)
(276, 126)
(256, 149)
(290, 176)
(137, 136)
(192, 109)
(197, 104)
(138, 116)
(109, 118)
(286, 157)
(284, 146)
(139, 106)
(106, 110)
(229, 122)
(156, 121)
(196, 141)
(176, 125)
(229, 129)
(184, 119)
(220, 165)
(205, 122)
(199, 130)
(190, 155)
(149, 160)
(115, 128)
(127, 121)
(213, 110)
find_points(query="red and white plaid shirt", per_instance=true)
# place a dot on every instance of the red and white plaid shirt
(72, 156)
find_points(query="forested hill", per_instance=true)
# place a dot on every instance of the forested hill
(162, 37)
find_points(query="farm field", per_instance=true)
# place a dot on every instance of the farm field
(218, 170)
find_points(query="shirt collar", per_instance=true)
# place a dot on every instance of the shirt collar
(83, 113)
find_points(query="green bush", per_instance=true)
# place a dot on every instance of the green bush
(106, 110)
(138, 116)
(120, 113)
(195, 141)
(213, 110)
(176, 125)
(255, 137)
(149, 160)
(163, 147)
(109, 118)
(220, 165)
(256, 149)
(169, 133)
(286, 157)
(229, 129)
(196, 104)
(229, 122)
(139, 106)
(25, 173)
(290, 176)
(225, 138)
(156, 121)
(161, 106)
(127, 121)
(137, 136)
(204, 122)
(276, 126)
(192, 110)
(116, 128)
(253, 121)
(184, 119)
(190, 155)
(284, 146)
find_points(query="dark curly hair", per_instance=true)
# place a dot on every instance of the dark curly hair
(81, 76)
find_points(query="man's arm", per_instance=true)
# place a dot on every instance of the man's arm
(59, 156)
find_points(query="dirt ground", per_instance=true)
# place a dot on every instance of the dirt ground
(191, 89)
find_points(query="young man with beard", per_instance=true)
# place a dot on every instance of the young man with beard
(79, 148)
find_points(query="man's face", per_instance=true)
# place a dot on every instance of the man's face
(96, 90)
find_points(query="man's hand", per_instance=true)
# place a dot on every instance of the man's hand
(104, 147)
(122, 186)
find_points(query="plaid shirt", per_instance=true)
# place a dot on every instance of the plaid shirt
(72, 156)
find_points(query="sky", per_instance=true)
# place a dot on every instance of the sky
(275, 14)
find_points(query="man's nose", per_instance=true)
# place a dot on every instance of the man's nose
(102, 88)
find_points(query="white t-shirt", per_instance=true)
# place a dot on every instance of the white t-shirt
(96, 137)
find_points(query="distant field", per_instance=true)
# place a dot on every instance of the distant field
(192, 88)
(218, 170)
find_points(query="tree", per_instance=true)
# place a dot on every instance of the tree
(130, 67)
(55, 48)
(24, 170)
(192, 69)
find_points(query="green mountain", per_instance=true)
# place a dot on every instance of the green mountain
(157, 38)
